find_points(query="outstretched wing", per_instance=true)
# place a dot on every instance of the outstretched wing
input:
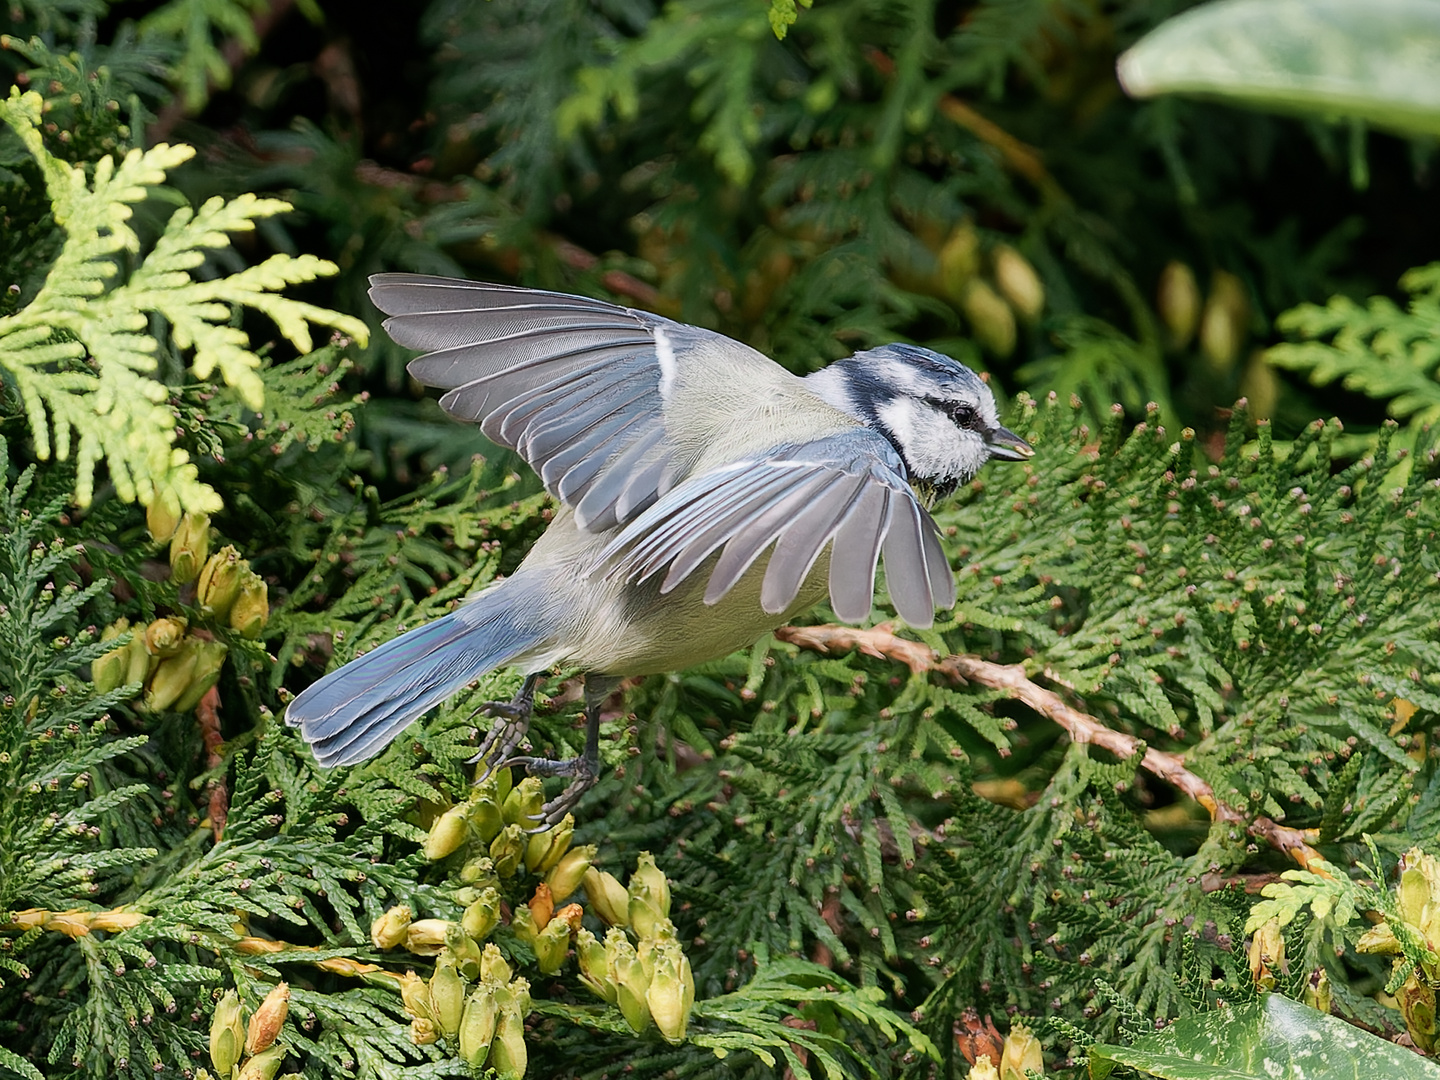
(847, 490)
(576, 386)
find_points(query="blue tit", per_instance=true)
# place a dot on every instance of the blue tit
(706, 495)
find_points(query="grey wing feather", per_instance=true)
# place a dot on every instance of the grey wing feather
(855, 552)
(572, 384)
(847, 491)
(906, 574)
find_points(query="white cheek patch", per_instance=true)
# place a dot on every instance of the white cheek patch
(928, 441)
(665, 354)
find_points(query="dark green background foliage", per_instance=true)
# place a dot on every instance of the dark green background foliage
(1248, 586)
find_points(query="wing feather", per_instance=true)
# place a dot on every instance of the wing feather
(572, 384)
(906, 574)
(800, 545)
(847, 491)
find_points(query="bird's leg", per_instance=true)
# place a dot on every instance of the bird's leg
(512, 720)
(584, 770)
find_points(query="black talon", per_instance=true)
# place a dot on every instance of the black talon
(583, 770)
(512, 722)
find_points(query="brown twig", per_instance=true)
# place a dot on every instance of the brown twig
(1023, 159)
(207, 713)
(879, 641)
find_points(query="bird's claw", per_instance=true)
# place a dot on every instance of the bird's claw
(505, 735)
(583, 772)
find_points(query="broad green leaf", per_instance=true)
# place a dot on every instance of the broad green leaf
(1272, 1037)
(1376, 61)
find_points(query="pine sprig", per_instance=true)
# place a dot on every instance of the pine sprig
(82, 353)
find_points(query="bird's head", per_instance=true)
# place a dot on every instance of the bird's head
(937, 413)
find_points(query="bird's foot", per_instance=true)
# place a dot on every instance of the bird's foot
(512, 721)
(584, 771)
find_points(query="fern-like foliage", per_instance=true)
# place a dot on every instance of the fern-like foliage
(1380, 349)
(81, 354)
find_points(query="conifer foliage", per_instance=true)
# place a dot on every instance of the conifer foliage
(1156, 794)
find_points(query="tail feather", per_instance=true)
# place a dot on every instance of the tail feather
(354, 713)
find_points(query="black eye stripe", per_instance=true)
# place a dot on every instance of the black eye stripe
(962, 412)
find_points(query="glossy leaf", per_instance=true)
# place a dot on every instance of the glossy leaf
(1272, 1037)
(1375, 61)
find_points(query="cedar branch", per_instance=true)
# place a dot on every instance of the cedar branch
(880, 642)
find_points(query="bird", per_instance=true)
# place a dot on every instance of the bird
(706, 495)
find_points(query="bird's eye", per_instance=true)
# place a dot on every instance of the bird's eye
(961, 412)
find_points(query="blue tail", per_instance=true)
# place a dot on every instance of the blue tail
(355, 712)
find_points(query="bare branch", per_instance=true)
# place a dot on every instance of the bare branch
(880, 641)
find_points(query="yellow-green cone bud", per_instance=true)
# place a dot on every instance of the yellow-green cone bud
(467, 954)
(477, 1025)
(264, 1066)
(493, 966)
(1019, 283)
(551, 946)
(631, 983)
(219, 582)
(594, 966)
(1021, 1052)
(189, 548)
(389, 929)
(984, 1069)
(447, 833)
(607, 896)
(162, 518)
(671, 994)
(649, 881)
(252, 606)
(485, 817)
(227, 1034)
(447, 997)
(520, 995)
(209, 663)
(522, 806)
(480, 872)
(426, 937)
(171, 677)
(508, 1055)
(507, 849)
(164, 637)
(522, 922)
(139, 664)
(107, 672)
(269, 1018)
(565, 876)
(990, 317)
(645, 918)
(959, 260)
(483, 915)
(422, 1032)
(415, 993)
(545, 849)
(1225, 321)
(1178, 300)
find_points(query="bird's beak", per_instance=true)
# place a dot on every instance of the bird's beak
(1007, 446)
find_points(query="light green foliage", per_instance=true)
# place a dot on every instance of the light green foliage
(783, 14)
(1380, 349)
(82, 352)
